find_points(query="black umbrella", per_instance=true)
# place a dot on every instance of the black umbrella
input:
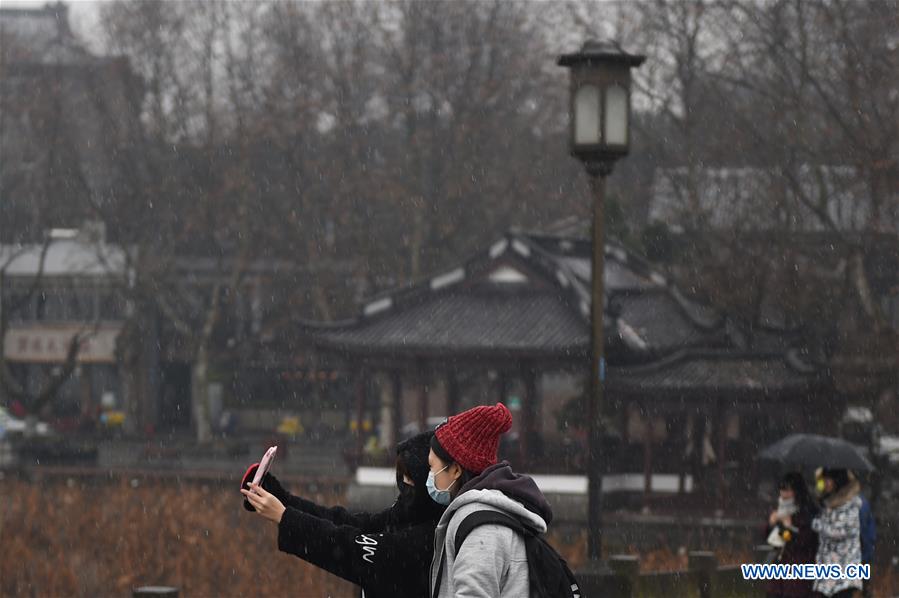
(817, 451)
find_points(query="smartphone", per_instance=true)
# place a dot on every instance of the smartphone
(265, 464)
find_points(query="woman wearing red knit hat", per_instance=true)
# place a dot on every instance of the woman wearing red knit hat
(465, 475)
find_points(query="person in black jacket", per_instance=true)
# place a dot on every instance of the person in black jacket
(388, 553)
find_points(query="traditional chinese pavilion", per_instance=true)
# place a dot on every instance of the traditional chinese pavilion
(689, 396)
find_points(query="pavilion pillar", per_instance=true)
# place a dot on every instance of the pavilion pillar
(502, 387)
(747, 461)
(647, 457)
(685, 424)
(361, 391)
(396, 381)
(422, 396)
(530, 409)
(452, 393)
(502, 391)
(722, 457)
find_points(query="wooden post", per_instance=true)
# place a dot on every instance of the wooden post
(704, 564)
(626, 567)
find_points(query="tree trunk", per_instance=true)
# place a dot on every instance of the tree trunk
(131, 376)
(199, 392)
(130, 372)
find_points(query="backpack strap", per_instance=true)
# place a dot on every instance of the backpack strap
(483, 517)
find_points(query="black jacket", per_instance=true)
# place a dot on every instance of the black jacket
(385, 552)
(388, 553)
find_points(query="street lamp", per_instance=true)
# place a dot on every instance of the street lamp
(599, 135)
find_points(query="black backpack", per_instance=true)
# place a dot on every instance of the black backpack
(548, 573)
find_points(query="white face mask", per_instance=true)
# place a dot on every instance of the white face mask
(441, 497)
(786, 506)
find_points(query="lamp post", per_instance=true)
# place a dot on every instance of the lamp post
(599, 135)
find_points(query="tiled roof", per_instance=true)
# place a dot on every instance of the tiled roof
(663, 323)
(680, 346)
(473, 320)
(716, 371)
(462, 309)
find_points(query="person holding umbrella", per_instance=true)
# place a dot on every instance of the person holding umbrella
(838, 525)
(839, 531)
(790, 529)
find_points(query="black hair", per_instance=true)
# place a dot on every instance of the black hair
(840, 477)
(796, 482)
(401, 472)
(413, 455)
(441, 452)
(413, 505)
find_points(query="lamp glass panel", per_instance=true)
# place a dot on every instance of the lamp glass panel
(586, 115)
(616, 115)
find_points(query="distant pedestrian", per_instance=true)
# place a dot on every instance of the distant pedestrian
(839, 530)
(790, 532)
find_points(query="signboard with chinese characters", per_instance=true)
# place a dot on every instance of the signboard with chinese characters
(50, 344)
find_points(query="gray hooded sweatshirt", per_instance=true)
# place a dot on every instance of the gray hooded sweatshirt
(492, 563)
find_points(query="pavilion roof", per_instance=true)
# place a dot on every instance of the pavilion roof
(723, 371)
(527, 294)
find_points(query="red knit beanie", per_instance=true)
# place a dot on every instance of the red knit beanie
(472, 437)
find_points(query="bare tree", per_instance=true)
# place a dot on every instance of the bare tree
(782, 121)
(472, 123)
(430, 132)
(822, 108)
(200, 202)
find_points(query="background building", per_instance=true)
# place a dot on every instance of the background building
(63, 301)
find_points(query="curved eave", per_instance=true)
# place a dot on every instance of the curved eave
(416, 351)
(730, 374)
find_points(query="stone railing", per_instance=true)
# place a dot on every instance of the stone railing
(703, 578)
